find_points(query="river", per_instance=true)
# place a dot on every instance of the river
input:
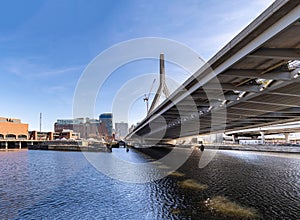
(64, 185)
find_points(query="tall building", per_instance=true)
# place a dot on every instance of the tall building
(106, 124)
(121, 129)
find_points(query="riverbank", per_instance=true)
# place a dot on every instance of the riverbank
(68, 146)
(260, 148)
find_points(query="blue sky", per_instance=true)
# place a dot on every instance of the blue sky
(45, 46)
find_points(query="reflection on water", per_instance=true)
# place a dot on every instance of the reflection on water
(224, 206)
(49, 184)
(192, 184)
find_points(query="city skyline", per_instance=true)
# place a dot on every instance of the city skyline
(45, 46)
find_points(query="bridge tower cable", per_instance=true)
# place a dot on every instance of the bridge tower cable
(146, 98)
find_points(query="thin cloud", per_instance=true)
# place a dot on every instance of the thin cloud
(55, 72)
(33, 69)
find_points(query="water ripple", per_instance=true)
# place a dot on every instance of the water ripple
(63, 185)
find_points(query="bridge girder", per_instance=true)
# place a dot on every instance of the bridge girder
(258, 85)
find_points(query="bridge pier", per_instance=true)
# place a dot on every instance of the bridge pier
(142, 140)
(287, 137)
(262, 137)
(233, 139)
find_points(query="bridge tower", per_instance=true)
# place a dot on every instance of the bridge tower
(162, 83)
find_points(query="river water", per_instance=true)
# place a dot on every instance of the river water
(64, 185)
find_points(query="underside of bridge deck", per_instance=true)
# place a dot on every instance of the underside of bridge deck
(252, 81)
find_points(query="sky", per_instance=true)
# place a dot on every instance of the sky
(46, 45)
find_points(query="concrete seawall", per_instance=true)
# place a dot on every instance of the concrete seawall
(263, 148)
(67, 146)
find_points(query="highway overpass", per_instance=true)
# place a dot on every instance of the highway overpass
(293, 127)
(251, 82)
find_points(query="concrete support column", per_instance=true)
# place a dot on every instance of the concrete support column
(51, 136)
(20, 145)
(233, 138)
(287, 137)
(262, 137)
(142, 140)
(35, 135)
(6, 145)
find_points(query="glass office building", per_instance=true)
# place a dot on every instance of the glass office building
(106, 124)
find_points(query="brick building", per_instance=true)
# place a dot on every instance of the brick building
(12, 128)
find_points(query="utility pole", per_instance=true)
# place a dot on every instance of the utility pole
(41, 122)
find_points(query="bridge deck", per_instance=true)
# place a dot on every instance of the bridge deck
(254, 82)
